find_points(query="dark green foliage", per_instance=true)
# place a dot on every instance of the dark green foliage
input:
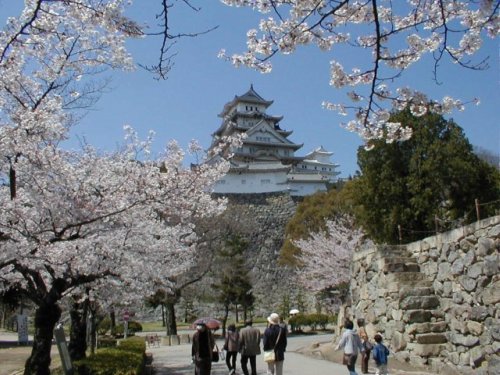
(433, 175)
(126, 359)
(314, 321)
(133, 344)
(107, 342)
(232, 281)
(104, 326)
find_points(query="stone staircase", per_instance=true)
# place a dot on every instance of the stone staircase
(424, 335)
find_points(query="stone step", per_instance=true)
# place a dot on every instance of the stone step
(419, 303)
(417, 316)
(427, 327)
(400, 267)
(412, 278)
(413, 290)
(431, 338)
(390, 251)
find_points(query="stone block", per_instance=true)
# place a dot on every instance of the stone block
(419, 302)
(398, 342)
(416, 360)
(464, 359)
(431, 338)
(476, 356)
(485, 246)
(491, 296)
(425, 350)
(479, 313)
(475, 328)
(475, 270)
(417, 316)
(184, 338)
(464, 340)
(467, 283)
(412, 290)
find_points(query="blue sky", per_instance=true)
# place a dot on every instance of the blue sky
(186, 105)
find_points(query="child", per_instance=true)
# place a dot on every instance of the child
(380, 353)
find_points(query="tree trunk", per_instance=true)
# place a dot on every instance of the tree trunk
(112, 317)
(163, 323)
(224, 320)
(93, 330)
(78, 331)
(46, 317)
(170, 318)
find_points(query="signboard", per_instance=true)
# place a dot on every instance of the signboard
(62, 346)
(22, 329)
(126, 316)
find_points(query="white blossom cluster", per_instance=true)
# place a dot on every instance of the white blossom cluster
(78, 219)
(396, 35)
(325, 257)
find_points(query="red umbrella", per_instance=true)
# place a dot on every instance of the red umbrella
(211, 323)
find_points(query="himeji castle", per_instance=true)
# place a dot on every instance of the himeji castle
(266, 161)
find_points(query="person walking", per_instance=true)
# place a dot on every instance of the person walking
(275, 339)
(249, 347)
(232, 346)
(365, 356)
(380, 353)
(201, 350)
(351, 344)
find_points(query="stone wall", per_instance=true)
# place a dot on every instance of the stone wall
(435, 301)
(268, 215)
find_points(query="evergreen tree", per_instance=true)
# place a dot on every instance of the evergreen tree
(432, 180)
(233, 282)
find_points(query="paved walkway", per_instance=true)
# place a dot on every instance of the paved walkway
(176, 360)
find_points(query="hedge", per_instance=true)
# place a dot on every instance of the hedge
(128, 358)
(312, 320)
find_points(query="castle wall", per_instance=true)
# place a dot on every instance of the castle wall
(435, 301)
(269, 214)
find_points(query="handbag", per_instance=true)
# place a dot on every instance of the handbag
(270, 355)
(215, 354)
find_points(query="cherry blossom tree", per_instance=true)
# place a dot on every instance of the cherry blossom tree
(74, 221)
(325, 257)
(82, 218)
(392, 37)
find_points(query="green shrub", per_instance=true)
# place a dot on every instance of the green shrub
(133, 344)
(104, 326)
(134, 326)
(126, 359)
(107, 342)
(310, 320)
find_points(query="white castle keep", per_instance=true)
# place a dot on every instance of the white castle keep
(266, 161)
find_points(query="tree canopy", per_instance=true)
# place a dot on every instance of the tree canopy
(390, 37)
(426, 183)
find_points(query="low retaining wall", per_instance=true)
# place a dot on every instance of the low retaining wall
(435, 301)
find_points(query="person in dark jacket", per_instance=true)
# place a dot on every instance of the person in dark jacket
(232, 346)
(201, 350)
(275, 338)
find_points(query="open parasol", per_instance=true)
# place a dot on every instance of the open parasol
(211, 323)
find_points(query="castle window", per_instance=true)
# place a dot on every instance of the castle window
(243, 182)
(265, 181)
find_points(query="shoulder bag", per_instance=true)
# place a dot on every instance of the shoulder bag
(270, 355)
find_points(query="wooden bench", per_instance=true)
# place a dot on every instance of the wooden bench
(153, 340)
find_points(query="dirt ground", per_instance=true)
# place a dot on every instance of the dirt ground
(12, 359)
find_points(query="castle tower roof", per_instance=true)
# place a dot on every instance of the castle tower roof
(250, 96)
